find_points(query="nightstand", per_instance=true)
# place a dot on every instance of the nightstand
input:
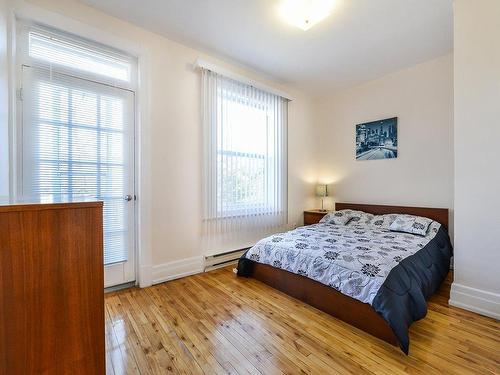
(313, 216)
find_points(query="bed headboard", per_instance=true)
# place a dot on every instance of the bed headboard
(438, 214)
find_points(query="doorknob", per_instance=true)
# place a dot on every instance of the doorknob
(128, 197)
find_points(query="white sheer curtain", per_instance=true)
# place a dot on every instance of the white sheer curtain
(245, 163)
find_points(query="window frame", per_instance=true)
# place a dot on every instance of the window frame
(24, 59)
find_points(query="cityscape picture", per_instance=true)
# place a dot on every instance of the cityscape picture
(377, 139)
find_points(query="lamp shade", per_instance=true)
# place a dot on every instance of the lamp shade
(321, 190)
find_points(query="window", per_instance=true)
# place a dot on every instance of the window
(43, 47)
(242, 159)
(245, 157)
(65, 53)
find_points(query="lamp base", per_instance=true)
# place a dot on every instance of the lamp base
(322, 205)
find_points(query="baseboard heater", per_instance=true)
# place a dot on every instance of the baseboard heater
(215, 261)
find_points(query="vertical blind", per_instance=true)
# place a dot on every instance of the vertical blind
(245, 163)
(76, 134)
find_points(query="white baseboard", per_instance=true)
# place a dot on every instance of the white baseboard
(145, 276)
(176, 269)
(476, 300)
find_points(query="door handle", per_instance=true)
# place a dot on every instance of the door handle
(128, 197)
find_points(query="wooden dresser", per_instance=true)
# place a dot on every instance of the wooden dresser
(313, 216)
(51, 289)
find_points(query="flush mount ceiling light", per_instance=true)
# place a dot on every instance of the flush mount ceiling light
(304, 14)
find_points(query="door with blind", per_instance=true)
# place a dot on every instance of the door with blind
(77, 144)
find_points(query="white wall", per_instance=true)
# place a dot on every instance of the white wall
(171, 134)
(477, 156)
(321, 141)
(4, 104)
(422, 174)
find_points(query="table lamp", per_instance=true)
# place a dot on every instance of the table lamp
(322, 192)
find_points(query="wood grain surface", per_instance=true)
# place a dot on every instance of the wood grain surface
(51, 289)
(217, 323)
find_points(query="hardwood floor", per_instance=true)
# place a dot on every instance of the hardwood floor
(216, 323)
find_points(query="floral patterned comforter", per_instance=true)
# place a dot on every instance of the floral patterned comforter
(353, 259)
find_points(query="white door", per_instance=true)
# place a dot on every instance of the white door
(78, 143)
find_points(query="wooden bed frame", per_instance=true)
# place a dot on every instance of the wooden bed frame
(327, 299)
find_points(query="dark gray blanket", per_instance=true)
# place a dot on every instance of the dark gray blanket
(402, 299)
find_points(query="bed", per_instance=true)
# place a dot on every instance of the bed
(374, 279)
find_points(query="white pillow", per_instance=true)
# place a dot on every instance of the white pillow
(383, 221)
(360, 218)
(343, 217)
(411, 224)
(336, 218)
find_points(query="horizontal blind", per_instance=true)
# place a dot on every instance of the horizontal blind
(43, 47)
(75, 143)
(245, 170)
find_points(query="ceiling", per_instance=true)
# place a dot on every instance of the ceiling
(361, 40)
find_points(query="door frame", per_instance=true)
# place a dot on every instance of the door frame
(113, 270)
(19, 10)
